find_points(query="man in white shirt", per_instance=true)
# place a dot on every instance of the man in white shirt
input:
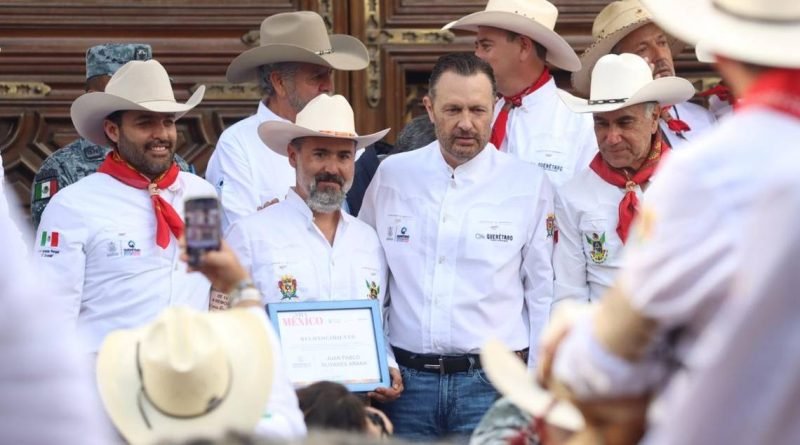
(464, 228)
(293, 64)
(625, 26)
(517, 39)
(714, 239)
(594, 209)
(306, 248)
(107, 244)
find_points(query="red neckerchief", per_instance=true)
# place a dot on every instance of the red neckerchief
(499, 127)
(721, 91)
(629, 205)
(167, 220)
(777, 89)
(676, 125)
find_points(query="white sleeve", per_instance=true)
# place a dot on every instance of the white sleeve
(587, 148)
(282, 419)
(229, 172)
(367, 212)
(60, 257)
(384, 274)
(569, 261)
(239, 242)
(537, 269)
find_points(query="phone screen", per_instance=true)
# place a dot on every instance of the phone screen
(203, 230)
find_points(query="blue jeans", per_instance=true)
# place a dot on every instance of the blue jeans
(435, 405)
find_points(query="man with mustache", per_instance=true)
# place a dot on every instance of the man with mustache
(305, 248)
(293, 63)
(625, 26)
(464, 228)
(107, 245)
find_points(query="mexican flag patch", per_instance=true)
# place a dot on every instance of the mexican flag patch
(45, 189)
(49, 239)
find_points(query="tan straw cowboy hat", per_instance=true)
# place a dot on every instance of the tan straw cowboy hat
(622, 80)
(761, 32)
(299, 36)
(325, 116)
(137, 85)
(532, 18)
(613, 24)
(187, 374)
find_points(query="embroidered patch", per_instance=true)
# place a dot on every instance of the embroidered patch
(403, 236)
(288, 287)
(550, 223)
(131, 250)
(599, 254)
(373, 288)
(45, 189)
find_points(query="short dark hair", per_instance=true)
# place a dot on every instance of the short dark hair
(416, 134)
(463, 64)
(116, 118)
(329, 405)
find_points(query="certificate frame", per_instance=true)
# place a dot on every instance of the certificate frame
(276, 310)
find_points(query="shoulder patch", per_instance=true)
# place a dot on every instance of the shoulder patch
(93, 152)
(45, 189)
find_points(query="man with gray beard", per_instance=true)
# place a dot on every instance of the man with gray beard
(305, 248)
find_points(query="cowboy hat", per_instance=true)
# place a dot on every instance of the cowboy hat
(613, 24)
(761, 32)
(622, 80)
(325, 116)
(187, 374)
(137, 85)
(299, 36)
(532, 18)
(511, 378)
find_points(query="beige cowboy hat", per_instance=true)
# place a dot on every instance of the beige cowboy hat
(325, 116)
(761, 32)
(511, 378)
(299, 36)
(137, 85)
(613, 24)
(532, 18)
(622, 80)
(187, 374)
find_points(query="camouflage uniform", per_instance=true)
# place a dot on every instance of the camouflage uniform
(503, 423)
(80, 158)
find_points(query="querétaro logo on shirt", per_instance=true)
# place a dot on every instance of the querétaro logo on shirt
(496, 237)
(131, 250)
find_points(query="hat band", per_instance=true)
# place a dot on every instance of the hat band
(324, 52)
(773, 20)
(339, 134)
(607, 101)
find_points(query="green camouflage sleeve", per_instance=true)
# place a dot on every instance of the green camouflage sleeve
(502, 423)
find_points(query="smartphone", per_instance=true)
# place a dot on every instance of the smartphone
(203, 229)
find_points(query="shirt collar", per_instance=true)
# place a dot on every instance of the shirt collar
(264, 114)
(469, 171)
(299, 205)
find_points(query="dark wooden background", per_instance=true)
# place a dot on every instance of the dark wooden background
(44, 41)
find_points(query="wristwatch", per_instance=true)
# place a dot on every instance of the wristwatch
(245, 290)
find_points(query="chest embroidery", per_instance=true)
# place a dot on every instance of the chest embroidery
(373, 288)
(288, 287)
(599, 253)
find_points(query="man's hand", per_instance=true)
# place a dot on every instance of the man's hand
(384, 395)
(221, 267)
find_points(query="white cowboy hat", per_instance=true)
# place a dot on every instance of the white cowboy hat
(702, 53)
(187, 374)
(622, 80)
(325, 116)
(532, 18)
(299, 36)
(761, 32)
(613, 24)
(511, 378)
(137, 85)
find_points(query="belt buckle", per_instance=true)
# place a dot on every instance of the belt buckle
(440, 366)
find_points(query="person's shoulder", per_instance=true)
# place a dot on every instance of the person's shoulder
(241, 128)
(365, 231)
(196, 185)
(83, 192)
(584, 180)
(408, 159)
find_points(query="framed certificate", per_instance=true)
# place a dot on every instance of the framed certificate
(340, 341)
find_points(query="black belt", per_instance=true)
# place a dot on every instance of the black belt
(443, 364)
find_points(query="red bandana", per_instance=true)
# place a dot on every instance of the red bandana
(777, 89)
(167, 220)
(676, 125)
(499, 128)
(629, 206)
(721, 91)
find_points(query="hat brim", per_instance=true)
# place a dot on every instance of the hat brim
(760, 42)
(511, 378)
(90, 110)
(667, 91)
(278, 134)
(349, 54)
(581, 79)
(559, 53)
(246, 342)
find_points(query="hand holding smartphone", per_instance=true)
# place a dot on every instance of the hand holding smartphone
(203, 229)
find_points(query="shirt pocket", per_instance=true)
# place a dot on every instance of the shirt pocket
(127, 251)
(599, 239)
(401, 228)
(366, 274)
(288, 275)
(494, 234)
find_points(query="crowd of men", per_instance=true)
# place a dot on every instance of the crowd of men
(627, 246)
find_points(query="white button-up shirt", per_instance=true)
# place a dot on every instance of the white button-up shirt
(290, 259)
(588, 253)
(698, 118)
(697, 249)
(544, 132)
(468, 249)
(96, 247)
(245, 172)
